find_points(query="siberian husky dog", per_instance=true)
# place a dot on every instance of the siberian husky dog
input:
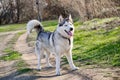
(59, 42)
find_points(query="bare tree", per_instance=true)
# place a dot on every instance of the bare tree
(12, 11)
(7, 12)
(41, 4)
(18, 10)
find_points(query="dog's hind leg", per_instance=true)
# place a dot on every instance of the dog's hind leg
(39, 53)
(47, 59)
(70, 60)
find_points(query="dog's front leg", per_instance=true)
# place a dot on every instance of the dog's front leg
(70, 60)
(58, 65)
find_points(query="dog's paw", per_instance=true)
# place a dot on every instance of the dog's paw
(49, 66)
(75, 68)
(38, 69)
(58, 74)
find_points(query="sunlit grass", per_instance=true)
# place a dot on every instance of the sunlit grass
(12, 27)
(50, 23)
(97, 23)
(97, 46)
(11, 55)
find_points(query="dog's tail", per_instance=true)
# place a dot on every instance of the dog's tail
(34, 24)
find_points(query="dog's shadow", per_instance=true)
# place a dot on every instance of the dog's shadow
(45, 73)
(50, 73)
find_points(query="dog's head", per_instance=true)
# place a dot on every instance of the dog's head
(66, 27)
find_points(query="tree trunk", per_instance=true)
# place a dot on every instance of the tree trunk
(18, 10)
(38, 9)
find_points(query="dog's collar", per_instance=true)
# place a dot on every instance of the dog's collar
(65, 38)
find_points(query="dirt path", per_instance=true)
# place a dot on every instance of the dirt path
(4, 41)
(84, 73)
(5, 66)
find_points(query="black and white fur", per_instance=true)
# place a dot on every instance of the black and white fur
(59, 42)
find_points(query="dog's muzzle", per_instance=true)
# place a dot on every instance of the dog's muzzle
(69, 32)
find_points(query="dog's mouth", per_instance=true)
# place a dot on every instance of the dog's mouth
(69, 33)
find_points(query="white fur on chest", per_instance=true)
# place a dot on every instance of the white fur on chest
(64, 45)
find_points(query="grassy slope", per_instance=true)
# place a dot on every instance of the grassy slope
(93, 46)
(97, 46)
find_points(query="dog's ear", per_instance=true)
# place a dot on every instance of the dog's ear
(70, 18)
(60, 19)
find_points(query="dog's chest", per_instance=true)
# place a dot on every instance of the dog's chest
(63, 45)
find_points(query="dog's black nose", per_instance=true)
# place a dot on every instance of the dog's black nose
(71, 29)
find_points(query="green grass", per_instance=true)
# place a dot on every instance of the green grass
(97, 47)
(11, 55)
(22, 67)
(12, 27)
(24, 70)
(50, 23)
(95, 23)
(98, 21)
